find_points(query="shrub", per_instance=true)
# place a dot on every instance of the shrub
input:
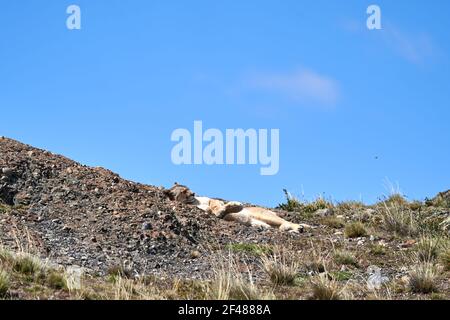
(26, 264)
(333, 222)
(396, 199)
(355, 230)
(428, 249)
(345, 258)
(322, 288)
(349, 206)
(5, 256)
(294, 205)
(398, 219)
(280, 270)
(423, 278)
(56, 280)
(319, 203)
(4, 283)
(445, 258)
(378, 250)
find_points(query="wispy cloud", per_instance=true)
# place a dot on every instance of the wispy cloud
(303, 85)
(416, 48)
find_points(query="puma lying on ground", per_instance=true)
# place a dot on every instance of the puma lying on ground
(233, 211)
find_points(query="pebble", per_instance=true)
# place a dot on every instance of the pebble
(146, 226)
(195, 254)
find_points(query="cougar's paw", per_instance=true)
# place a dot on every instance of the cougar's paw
(233, 207)
(291, 227)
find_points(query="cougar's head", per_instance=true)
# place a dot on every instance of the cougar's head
(182, 194)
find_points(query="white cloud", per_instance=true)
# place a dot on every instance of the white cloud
(304, 86)
(415, 48)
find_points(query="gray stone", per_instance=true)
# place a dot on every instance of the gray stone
(146, 226)
(325, 212)
(8, 172)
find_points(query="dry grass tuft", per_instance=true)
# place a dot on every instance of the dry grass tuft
(423, 278)
(347, 206)
(4, 283)
(27, 264)
(56, 280)
(322, 288)
(6, 256)
(281, 269)
(345, 258)
(428, 248)
(333, 222)
(398, 219)
(377, 250)
(229, 283)
(355, 230)
(444, 257)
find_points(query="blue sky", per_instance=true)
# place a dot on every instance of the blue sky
(355, 108)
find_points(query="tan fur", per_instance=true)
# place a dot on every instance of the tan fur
(233, 211)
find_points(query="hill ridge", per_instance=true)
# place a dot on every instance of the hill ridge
(91, 217)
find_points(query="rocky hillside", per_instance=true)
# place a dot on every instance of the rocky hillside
(90, 217)
(77, 216)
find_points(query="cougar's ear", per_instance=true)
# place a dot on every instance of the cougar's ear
(168, 193)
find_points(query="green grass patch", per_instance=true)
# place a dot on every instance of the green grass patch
(249, 248)
(341, 275)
